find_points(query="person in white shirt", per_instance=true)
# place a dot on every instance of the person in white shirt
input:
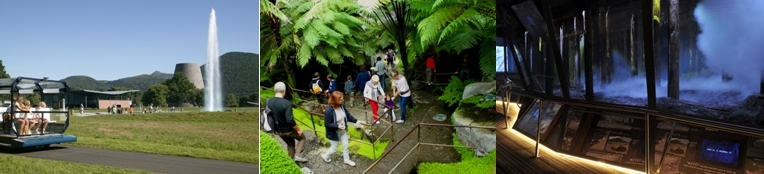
(372, 93)
(401, 89)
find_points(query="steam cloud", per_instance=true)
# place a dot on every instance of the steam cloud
(732, 39)
(732, 42)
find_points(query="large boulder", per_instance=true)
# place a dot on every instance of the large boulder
(478, 88)
(483, 139)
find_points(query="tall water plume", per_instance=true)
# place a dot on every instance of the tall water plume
(213, 95)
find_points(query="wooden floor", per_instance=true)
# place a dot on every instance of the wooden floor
(516, 154)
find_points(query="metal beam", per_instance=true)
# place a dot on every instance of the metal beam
(647, 24)
(562, 74)
(510, 40)
(589, 54)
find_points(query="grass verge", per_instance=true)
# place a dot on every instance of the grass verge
(20, 164)
(228, 136)
(361, 148)
(275, 159)
(469, 164)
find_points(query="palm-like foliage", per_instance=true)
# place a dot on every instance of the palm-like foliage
(457, 25)
(327, 31)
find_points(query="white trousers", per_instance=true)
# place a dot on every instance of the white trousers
(343, 135)
(392, 113)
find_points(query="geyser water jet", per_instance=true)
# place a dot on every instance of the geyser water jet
(213, 95)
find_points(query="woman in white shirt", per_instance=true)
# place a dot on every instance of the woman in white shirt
(20, 104)
(372, 92)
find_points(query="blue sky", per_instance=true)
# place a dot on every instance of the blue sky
(108, 40)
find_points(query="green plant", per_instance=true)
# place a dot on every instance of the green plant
(274, 158)
(469, 163)
(480, 102)
(372, 152)
(453, 92)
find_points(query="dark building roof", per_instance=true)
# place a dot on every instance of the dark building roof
(105, 92)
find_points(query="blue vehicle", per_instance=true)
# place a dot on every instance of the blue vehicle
(57, 119)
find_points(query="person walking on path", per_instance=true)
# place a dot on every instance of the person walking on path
(336, 118)
(401, 89)
(82, 109)
(430, 63)
(316, 87)
(361, 79)
(372, 93)
(332, 84)
(391, 58)
(286, 128)
(350, 89)
(381, 69)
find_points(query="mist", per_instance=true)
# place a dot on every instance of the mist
(732, 40)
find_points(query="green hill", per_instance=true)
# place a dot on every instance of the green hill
(84, 82)
(140, 82)
(239, 73)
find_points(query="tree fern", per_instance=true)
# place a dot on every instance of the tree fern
(270, 9)
(488, 58)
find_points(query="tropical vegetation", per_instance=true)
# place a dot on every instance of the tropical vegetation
(297, 32)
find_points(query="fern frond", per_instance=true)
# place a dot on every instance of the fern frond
(465, 39)
(320, 57)
(311, 37)
(488, 57)
(453, 92)
(303, 55)
(466, 17)
(341, 28)
(430, 26)
(269, 9)
(334, 55)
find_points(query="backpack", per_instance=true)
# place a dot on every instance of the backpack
(267, 121)
(315, 87)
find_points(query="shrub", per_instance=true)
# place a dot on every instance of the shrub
(469, 163)
(273, 158)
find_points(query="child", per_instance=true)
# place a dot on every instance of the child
(389, 106)
(349, 87)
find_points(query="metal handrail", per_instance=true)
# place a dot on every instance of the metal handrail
(419, 143)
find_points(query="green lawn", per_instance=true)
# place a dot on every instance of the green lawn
(20, 164)
(229, 136)
(166, 109)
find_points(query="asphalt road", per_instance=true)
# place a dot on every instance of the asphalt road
(142, 161)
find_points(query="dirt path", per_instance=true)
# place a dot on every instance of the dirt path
(427, 107)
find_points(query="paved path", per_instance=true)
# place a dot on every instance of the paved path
(142, 161)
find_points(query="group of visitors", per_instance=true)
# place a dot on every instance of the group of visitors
(336, 118)
(336, 115)
(25, 117)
